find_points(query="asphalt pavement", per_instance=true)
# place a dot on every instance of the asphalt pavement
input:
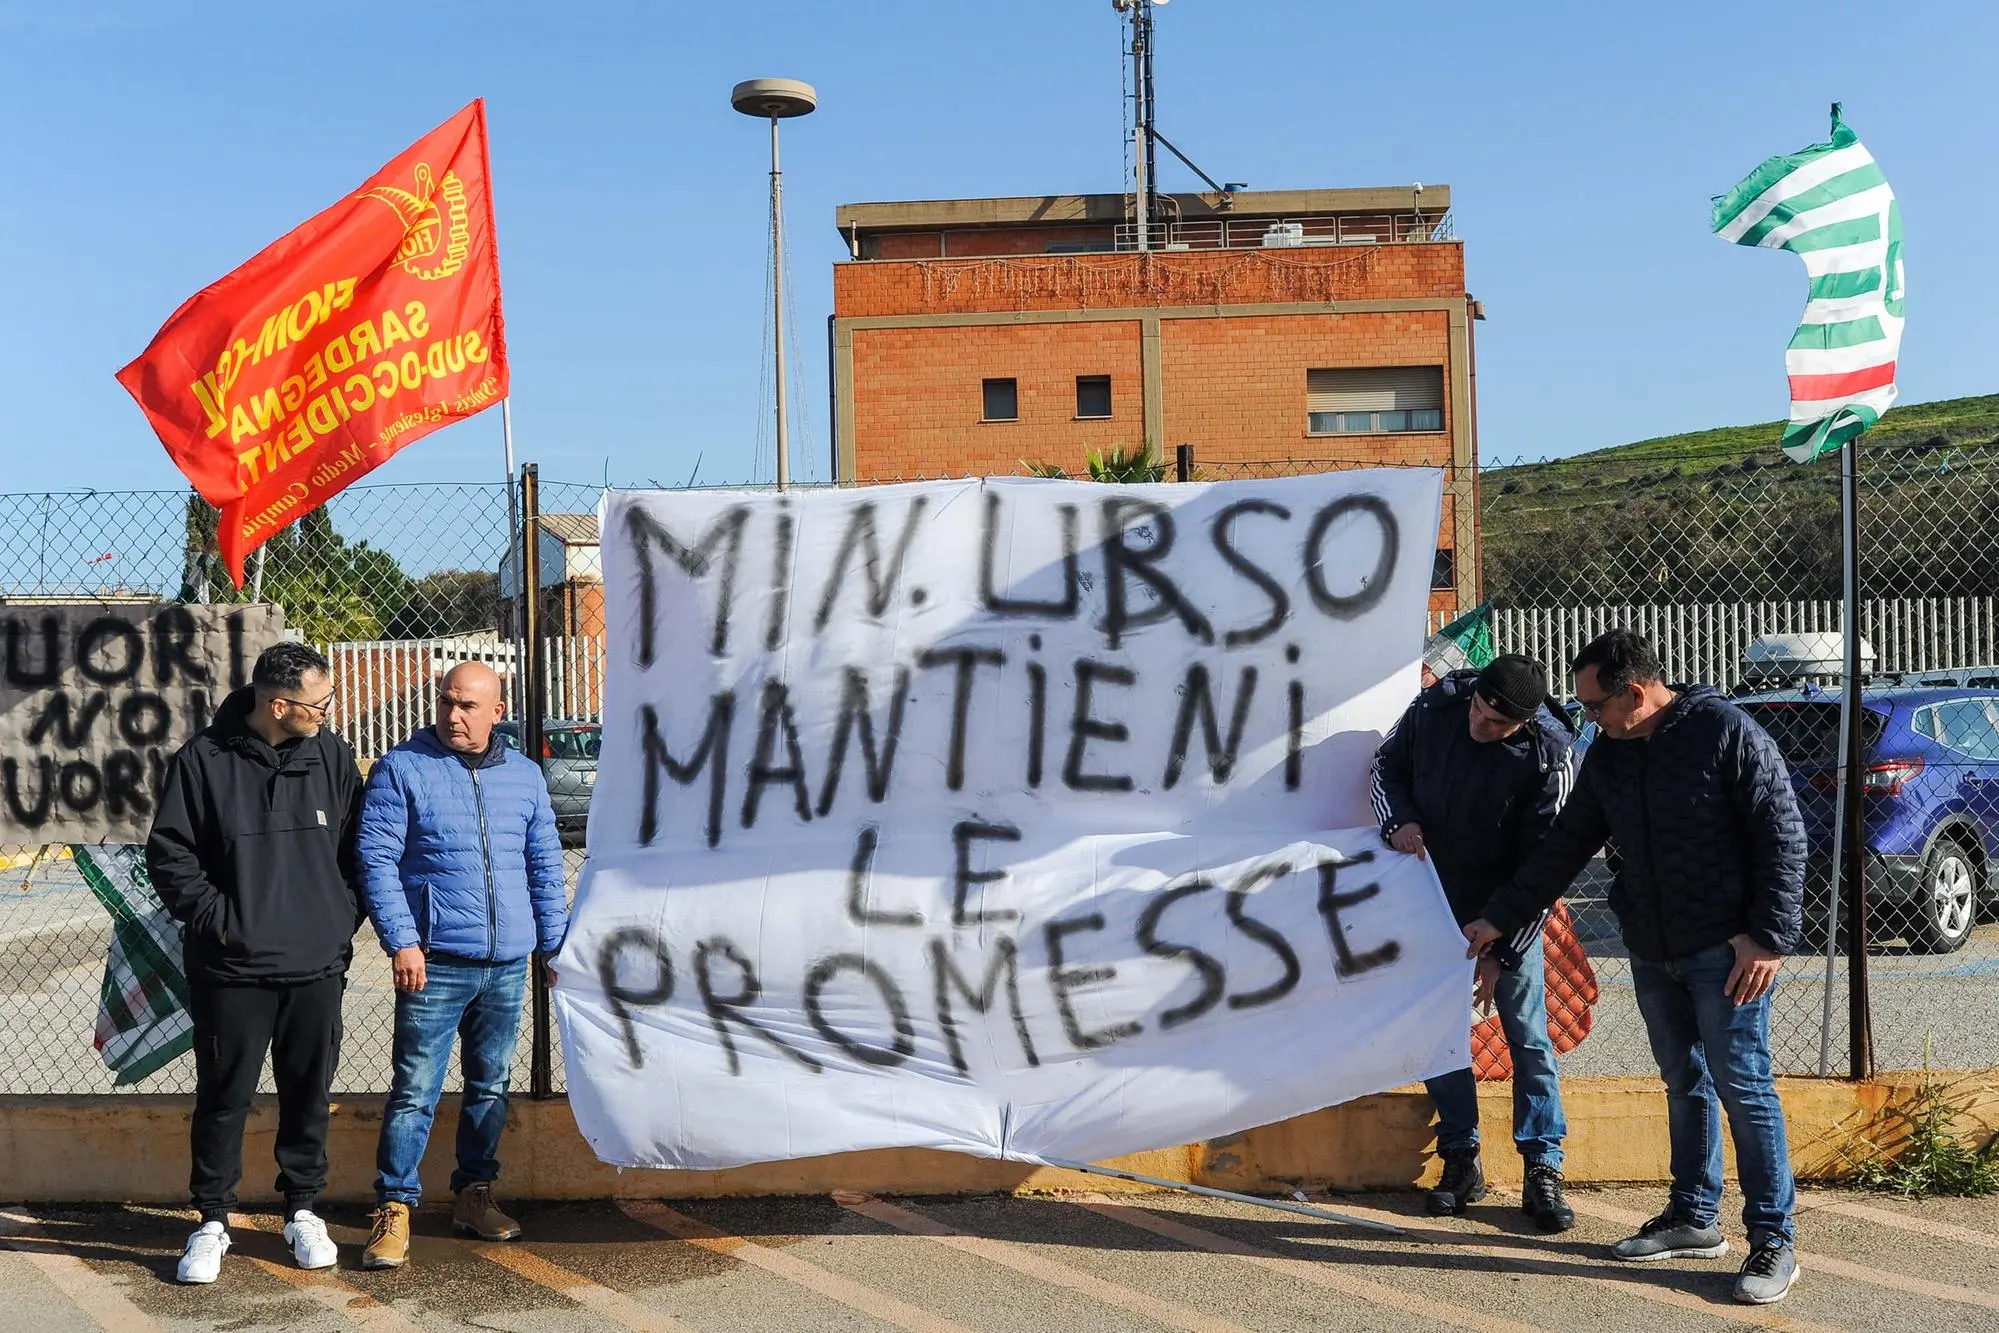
(998, 1264)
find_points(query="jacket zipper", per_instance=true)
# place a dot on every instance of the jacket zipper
(486, 855)
(1651, 851)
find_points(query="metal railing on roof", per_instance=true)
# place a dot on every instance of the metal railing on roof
(1266, 233)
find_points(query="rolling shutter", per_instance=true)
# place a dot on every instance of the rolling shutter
(1376, 389)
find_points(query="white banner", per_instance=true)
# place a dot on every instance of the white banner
(1015, 817)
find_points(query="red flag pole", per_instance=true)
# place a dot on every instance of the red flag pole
(516, 685)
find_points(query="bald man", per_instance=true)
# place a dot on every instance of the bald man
(462, 870)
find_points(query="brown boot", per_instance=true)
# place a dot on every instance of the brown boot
(476, 1214)
(389, 1243)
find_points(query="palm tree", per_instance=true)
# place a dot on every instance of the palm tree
(1120, 466)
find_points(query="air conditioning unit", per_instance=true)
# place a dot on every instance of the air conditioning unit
(1284, 235)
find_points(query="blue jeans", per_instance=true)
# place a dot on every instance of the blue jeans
(1715, 1054)
(1538, 1123)
(481, 1004)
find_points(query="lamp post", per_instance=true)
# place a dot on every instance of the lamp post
(776, 99)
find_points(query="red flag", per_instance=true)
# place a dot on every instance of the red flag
(346, 339)
(1572, 997)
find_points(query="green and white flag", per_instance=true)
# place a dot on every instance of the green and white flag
(1831, 206)
(142, 1016)
(1464, 644)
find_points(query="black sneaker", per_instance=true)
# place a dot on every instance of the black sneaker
(1669, 1236)
(1542, 1200)
(1462, 1186)
(1768, 1274)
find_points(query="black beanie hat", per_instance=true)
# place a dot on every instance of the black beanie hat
(1514, 685)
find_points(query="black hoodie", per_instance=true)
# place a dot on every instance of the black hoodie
(252, 851)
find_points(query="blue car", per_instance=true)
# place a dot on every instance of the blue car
(1931, 801)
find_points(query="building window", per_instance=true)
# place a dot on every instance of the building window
(1002, 400)
(1093, 395)
(1379, 400)
(1444, 569)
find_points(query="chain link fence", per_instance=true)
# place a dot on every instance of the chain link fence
(1707, 552)
(1731, 562)
(395, 583)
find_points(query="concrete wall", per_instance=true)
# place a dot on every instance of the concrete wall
(134, 1149)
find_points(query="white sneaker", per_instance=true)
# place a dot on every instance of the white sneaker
(202, 1260)
(311, 1246)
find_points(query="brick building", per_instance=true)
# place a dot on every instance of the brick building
(1274, 331)
(572, 580)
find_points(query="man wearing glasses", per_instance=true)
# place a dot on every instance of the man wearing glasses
(252, 851)
(1709, 898)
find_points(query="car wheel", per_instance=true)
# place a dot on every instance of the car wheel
(1940, 920)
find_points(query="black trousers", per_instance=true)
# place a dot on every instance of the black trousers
(233, 1028)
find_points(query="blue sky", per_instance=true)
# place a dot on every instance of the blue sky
(149, 148)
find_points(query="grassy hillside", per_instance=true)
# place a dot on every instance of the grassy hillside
(1723, 515)
(1912, 429)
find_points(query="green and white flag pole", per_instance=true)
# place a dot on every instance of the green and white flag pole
(1849, 881)
(1830, 205)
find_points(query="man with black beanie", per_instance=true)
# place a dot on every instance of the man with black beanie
(1471, 778)
(252, 851)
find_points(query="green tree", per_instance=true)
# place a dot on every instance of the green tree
(1119, 466)
(449, 601)
(198, 549)
(332, 590)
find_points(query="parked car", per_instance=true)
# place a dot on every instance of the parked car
(569, 760)
(1931, 793)
(1984, 677)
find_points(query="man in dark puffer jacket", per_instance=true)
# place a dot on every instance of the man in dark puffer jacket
(1709, 900)
(1471, 777)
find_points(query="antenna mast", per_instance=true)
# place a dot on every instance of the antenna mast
(1144, 131)
(1146, 139)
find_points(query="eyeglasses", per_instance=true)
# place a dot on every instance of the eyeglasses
(1595, 707)
(323, 707)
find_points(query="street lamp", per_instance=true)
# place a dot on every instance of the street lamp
(776, 99)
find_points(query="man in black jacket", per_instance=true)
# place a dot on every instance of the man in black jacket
(252, 851)
(1709, 897)
(1470, 778)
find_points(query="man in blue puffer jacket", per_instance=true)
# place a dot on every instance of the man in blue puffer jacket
(462, 869)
